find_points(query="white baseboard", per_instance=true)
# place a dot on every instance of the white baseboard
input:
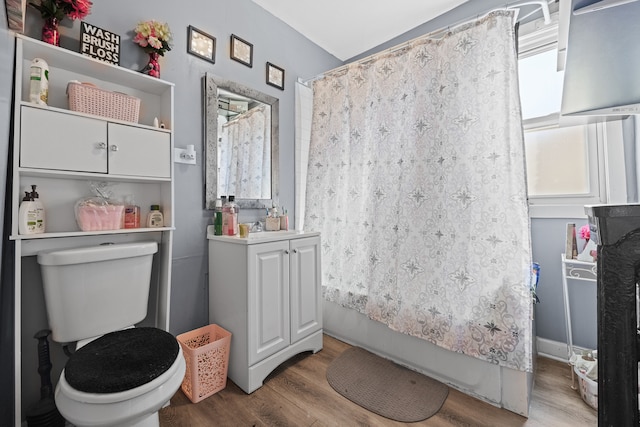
(552, 349)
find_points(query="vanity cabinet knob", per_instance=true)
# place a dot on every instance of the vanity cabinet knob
(295, 251)
(114, 147)
(286, 251)
(102, 145)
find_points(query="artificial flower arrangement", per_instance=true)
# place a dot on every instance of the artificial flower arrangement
(585, 232)
(590, 251)
(74, 9)
(153, 36)
(54, 11)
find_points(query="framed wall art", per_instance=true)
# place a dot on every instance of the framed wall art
(241, 51)
(201, 44)
(99, 44)
(275, 76)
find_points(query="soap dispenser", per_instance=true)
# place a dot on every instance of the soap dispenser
(230, 217)
(131, 213)
(27, 215)
(40, 217)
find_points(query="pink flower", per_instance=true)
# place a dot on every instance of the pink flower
(78, 9)
(585, 232)
(155, 43)
(153, 36)
(74, 9)
(141, 40)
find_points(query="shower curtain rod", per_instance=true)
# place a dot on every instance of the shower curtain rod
(544, 6)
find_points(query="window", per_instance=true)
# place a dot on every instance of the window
(563, 150)
(566, 157)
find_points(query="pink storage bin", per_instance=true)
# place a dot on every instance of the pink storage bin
(206, 351)
(97, 218)
(90, 99)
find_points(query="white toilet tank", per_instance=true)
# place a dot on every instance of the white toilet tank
(94, 290)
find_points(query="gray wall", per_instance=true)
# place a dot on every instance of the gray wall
(272, 41)
(548, 239)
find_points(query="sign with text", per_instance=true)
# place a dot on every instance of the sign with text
(99, 44)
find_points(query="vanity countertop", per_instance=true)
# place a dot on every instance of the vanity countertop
(261, 236)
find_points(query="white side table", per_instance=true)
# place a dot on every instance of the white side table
(572, 269)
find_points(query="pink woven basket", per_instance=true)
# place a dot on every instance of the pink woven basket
(89, 99)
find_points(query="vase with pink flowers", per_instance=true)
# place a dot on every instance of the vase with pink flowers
(155, 38)
(590, 250)
(585, 233)
(54, 11)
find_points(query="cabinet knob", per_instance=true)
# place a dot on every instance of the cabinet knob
(295, 251)
(102, 145)
(286, 251)
(114, 147)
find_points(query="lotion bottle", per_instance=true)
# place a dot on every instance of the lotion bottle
(234, 228)
(39, 82)
(40, 217)
(230, 217)
(27, 223)
(155, 218)
(225, 215)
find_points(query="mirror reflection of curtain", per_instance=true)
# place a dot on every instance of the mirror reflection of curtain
(245, 152)
(416, 181)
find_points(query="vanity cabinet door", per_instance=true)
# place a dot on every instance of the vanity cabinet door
(306, 303)
(268, 293)
(53, 140)
(139, 152)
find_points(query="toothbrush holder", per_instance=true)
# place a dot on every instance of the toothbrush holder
(272, 224)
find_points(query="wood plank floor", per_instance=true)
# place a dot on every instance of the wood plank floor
(297, 394)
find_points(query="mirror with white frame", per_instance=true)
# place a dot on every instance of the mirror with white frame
(241, 144)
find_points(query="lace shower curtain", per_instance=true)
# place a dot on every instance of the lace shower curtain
(417, 183)
(245, 149)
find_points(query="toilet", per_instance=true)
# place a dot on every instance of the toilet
(119, 375)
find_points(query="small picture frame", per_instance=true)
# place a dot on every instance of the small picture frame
(241, 51)
(201, 44)
(275, 76)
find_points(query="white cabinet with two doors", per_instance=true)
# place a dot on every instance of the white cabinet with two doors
(265, 290)
(91, 145)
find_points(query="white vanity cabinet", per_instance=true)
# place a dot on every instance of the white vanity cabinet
(93, 145)
(64, 153)
(265, 290)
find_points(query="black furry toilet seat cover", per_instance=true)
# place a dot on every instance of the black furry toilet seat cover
(121, 360)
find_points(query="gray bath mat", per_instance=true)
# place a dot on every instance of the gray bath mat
(384, 387)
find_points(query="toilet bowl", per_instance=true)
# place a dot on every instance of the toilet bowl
(136, 406)
(120, 375)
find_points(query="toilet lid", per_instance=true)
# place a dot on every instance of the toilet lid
(121, 360)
